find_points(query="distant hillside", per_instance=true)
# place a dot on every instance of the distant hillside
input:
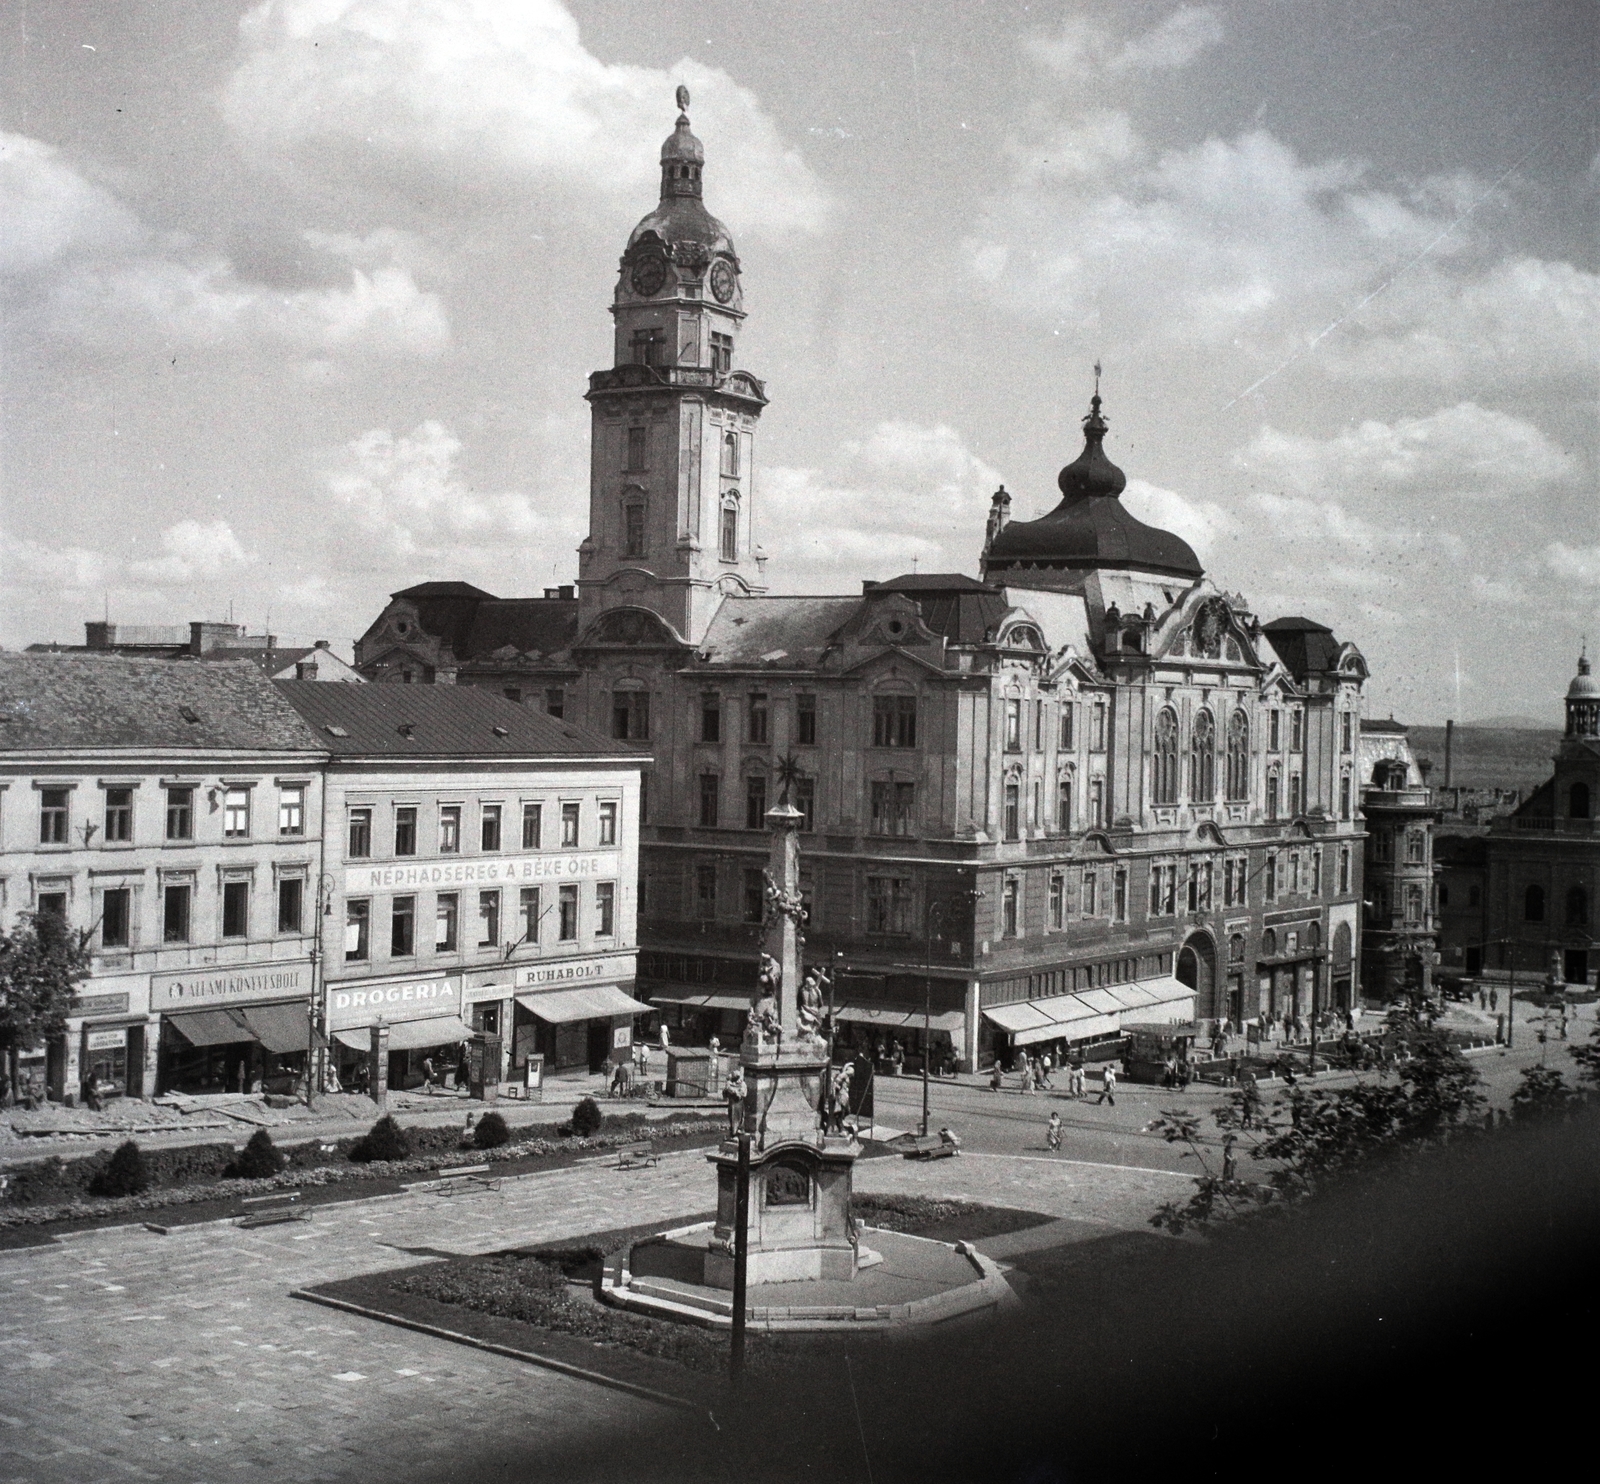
(1509, 724)
(1490, 757)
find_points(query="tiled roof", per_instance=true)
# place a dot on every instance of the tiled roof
(436, 721)
(86, 701)
(1303, 645)
(544, 625)
(961, 608)
(789, 632)
(268, 661)
(442, 590)
(1382, 724)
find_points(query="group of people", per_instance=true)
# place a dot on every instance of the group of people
(1038, 1072)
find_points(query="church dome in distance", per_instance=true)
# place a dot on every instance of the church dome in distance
(1584, 686)
(1091, 529)
(681, 215)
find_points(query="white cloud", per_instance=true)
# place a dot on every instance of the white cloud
(1084, 47)
(48, 211)
(1464, 451)
(497, 93)
(1204, 524)
(194, 551)
(1574, 563)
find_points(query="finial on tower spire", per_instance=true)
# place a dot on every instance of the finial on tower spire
(683, 98)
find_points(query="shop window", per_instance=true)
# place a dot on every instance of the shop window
(1013, 726)
(1064, 735)
(805, 720)
(450, 829)
(894, 721)
(235, 909)
(291, 904)
(489, 828)
(176, 902)
(555, 701)
(532, 825)
(489, 918)
(804, 796)
(180, 814)
(605, 909)
(1011, 908)
(630, 715)
(755, 802)
(608, 823)
(894, 807)
(709, 788)
(119, 815)
(405, 829)
(705, 890)
(1058, 902)
(1013, 811)
(447, 923)
(889, 905)
(292, 809)
(115, 917)
(53, 816)
(711, 718)
(359, 834)
(756, 718)
(357, 924)
(402, 927)
(236, 814)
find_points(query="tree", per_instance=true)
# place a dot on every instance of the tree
(42, 960)
(1544, 1097)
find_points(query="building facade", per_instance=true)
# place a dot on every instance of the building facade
(1087, 787)
(173, 812)
(480, 877)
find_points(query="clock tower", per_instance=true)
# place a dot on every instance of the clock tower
(672, 519)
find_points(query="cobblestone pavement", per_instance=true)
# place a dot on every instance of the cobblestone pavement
(132, 1356)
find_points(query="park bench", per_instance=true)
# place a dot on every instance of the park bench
(632, 1156)
(465, 1177)
(271, 1210)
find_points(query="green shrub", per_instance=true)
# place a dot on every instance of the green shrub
(491, 1132)
(124, 1173)
(385, 1140)
(258, 1160)
(586, 1118)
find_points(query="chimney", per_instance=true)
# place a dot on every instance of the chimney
(321, 644)
(565, 594)
(205, 637)
(99, 635)
(552, 592)
(1449, 748)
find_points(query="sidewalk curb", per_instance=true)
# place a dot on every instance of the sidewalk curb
(528, 1357)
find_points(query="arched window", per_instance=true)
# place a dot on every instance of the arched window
(728, 529)
(1577, 907)
(1203, 760)
(730, 455)
(1239, 756)
(1313, 936)
(1578, 801)
(1533, 904)
(1165, 761)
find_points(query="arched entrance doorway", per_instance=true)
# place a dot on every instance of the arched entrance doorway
(1197, 967)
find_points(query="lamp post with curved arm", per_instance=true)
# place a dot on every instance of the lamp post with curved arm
(316, 1010)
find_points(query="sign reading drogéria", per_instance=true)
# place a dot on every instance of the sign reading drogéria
(415, 999)
(515, 870)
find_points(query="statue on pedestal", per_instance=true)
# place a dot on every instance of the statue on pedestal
(811, 1007)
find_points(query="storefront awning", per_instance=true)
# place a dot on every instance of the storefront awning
(895, 1016)
(691, 998)
(1023, 1016)
(592, 1002)
(279, 1028)
(210, 1027)
(1067, 1017)
(411, 1035)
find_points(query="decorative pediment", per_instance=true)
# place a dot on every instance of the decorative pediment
(1205, 626)
(1351, 663)
(631, 627)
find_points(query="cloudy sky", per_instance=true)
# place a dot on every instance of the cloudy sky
(300, 297)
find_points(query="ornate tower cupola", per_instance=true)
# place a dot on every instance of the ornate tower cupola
(672, 515)
(1583, 702)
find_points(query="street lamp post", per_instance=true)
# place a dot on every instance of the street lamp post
(316, 1012)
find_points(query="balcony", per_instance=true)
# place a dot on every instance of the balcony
(630, 377)
(1544, 824)
(1397, 798)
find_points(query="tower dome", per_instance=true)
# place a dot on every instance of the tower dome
(680, 217)
(1090, 529)
(1583, 702)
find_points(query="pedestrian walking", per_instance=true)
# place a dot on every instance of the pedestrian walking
(1494, 999)
(897, 1059)
(1230, 1167)
(1108, 1086)
(997, 1078)
(1027, 1076)
(1052, 1130)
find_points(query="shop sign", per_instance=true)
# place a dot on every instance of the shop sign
(107, 1040)
(516, 870)
(98, 1004)
(621, 1037)
(214, 986)
(575, 971)
(413, 999)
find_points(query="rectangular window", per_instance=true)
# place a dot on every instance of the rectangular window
(1097, 803)
(236, 814)
(1416, 847)
(1347, 731)
(1270, 878)
(449, 829)
(291, 904)
(1294, 873)
(447, 923)
(608, 823)
(1064, 739)
(721, 352)
(1344, 796)
(53, 904)
(1272, 796)
(1296, 795)
(710, 718)
(489, 828)
(405, 829)
(119, 815)
(175, 904)
(402, 927)
(1413, 904)
(805, 720)
(888, 905)
(357, 922)
(1064, 806)
(709, 785)
(630, 715)
(489, 918)
(1013, 811)
(1011, 908)
(1297, 731)
(1274, 734)
(1097, 727)
(804, 796)
(528, 911)
(1091, 894)
(755, 802)
(115, 916)
(633, 529)
(894, 721)
(180, 814)
(728, 532)
(292, 810)
(235, 909)
(567, 913)
(1038, 726)
(1058, 902)
(756, 730)
(1193, 889)
(754, 893)
(1316, 873)
(638, 449)
(605, 908)
(1119, 895)
(555, 702)
(532, 825)
(1344, 871)
(705, 890)
(894, 808)
(1035, 805)
(360, 834)
(1013, 726)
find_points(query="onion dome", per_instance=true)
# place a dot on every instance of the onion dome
(681, 216)
(1091, 529)
(1584, 686)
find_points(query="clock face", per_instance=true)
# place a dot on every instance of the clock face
(722, 282)
(648, 276)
